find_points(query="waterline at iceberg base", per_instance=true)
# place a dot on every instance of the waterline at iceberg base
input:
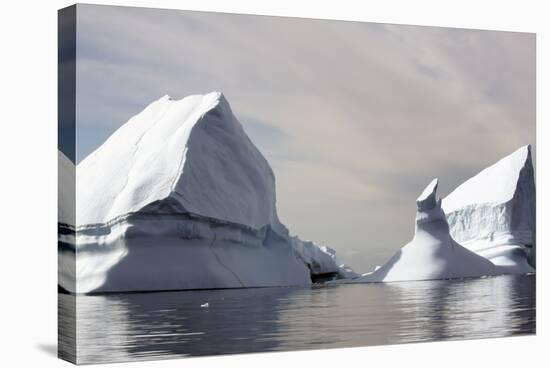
(179, 198)
(143, 326)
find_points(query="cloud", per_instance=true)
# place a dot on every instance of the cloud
(355, 118)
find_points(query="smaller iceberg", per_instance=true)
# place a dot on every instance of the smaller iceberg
(432, 253)
(321, 261)
(493, 213)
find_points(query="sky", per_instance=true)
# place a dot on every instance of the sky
(354, 118)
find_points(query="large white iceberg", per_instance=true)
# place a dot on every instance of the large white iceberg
(493, 213)
(180, 198)
(432, 253)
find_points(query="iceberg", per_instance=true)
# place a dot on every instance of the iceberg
(180, 198)
(66, 175)
(493, 213)
(321, 261)
(432, 253)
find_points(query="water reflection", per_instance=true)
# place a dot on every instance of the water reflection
(155, 325)
(460, 309)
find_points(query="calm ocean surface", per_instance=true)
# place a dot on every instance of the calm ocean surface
(142, 326)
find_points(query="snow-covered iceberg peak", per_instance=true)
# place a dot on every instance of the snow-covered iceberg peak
(174, 151)
(497, 183)
(432, 253)
(493, 213)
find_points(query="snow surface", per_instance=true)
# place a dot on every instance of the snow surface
(493, 213)
(192, 152)
(432, 253)
(180, 198)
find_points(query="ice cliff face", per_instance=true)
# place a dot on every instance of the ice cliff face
(180, 198)
(493, 213)
(432, 253)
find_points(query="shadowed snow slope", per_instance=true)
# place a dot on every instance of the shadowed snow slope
(493, 213)
(432, 254)
(180, 198)
(65, 190)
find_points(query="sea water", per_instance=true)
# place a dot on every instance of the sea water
(157, 325)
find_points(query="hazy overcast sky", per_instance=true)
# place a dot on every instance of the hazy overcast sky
(355, 118)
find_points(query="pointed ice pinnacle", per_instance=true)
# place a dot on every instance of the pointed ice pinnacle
(429, 207)
(427, 200)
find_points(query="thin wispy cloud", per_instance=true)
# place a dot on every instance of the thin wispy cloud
(355, 118)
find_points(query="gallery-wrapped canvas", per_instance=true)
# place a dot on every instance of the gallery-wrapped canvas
(239, 183)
